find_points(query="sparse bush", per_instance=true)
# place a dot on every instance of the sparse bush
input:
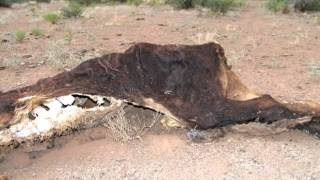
(217, 6)
(91, 2)
(20, 35)
(182, 4)
(306, 5)
(284, 6)
(134, 2)
(51, 17)
(37, 32)
(278, 5)
(73, 10)
(5, 3)
(222, 6)
(155, 2)
(8, 3)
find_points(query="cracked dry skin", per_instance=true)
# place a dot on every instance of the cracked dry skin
(190, 83)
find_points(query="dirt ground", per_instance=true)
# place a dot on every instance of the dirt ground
(272, 53)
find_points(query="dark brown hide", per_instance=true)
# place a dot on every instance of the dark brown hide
(194, 83)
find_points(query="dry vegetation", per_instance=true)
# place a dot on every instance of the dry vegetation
(123, 128)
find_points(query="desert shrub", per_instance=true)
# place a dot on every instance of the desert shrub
(73, 10)
(134, 2)
(92, 2)
(221, 6)
(5, 3)
(155, 2)
(278, 5)
(37, 32)
(217, 6)
(298, 5)
(306, 5)
(51, 17)
(182, 4)
(8, 3)
(20, 35)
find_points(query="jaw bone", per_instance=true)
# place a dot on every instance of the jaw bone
(56, 116)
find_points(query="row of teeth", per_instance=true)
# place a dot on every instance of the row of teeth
(55, 105)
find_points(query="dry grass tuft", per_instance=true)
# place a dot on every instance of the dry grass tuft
(118, 125)
(61, 56)
(122, 129)
(314, 69)
(206, 37)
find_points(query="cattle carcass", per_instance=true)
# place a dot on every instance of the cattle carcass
(191, 84)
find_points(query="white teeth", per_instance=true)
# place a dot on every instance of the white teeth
(66, 100)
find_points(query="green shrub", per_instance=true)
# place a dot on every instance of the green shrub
(134, 2)
(155, 2)
(8, 3)
(222, 6)
(20, 35)
(306, 5)
(278, 5)
(37, 32)
(51, 17)
(217, 6)
(299, 5)
(91, 2)
(182, 4)
(73, 10)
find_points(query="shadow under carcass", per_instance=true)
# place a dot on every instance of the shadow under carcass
(191, 84)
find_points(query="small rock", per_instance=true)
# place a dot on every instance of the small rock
(2, 68)
(83, 51)
(140, 19)
(32, 66)
(119, 34)
(27, 56)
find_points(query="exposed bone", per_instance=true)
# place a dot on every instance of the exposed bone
(61, 114)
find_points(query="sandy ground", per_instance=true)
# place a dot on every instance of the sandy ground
(272, 53)
(290, 155)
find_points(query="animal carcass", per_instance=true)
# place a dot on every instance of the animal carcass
(192, 84)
